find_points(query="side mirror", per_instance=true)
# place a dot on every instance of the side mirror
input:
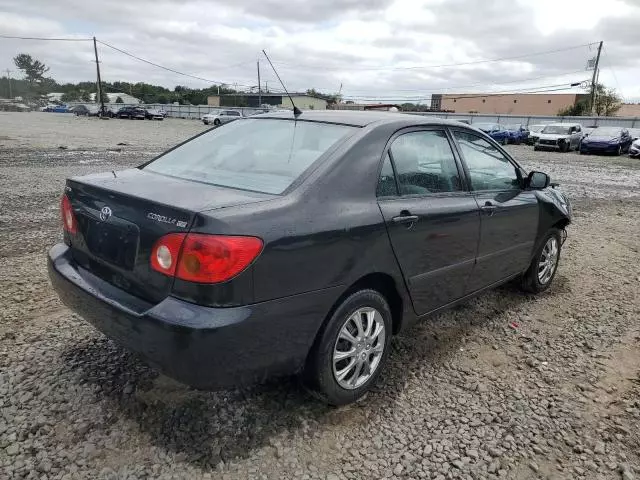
(538, 180)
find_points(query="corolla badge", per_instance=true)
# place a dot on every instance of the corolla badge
(105, 213)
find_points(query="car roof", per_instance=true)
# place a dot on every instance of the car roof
(360, 118)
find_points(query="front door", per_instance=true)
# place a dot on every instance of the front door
(432, 219)
(509, 218)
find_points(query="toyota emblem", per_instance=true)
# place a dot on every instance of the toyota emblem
(105, 213)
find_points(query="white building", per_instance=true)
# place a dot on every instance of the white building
(126, 98)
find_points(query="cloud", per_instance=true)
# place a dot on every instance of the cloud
(374, 48)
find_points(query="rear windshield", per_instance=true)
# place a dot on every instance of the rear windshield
(556, 129)
(263, 155)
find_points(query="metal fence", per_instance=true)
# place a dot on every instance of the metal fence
(179, 111)
(625, 122)
(197, 111)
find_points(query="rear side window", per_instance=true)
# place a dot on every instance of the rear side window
(387, 181)
(262, 155)
(425, 163)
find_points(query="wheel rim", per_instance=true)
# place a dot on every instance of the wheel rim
(359, 348)
(548, 261)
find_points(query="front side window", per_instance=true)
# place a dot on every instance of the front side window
(425, 163)
(488, 168)
(263, 155)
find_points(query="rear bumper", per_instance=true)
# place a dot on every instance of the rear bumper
(203, 347)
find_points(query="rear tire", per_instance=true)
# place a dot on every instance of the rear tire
(337, 380)
(619, 152)
(216, 122)
(536, 148)
(544, 265)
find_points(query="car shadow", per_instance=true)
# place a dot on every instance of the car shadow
(204, 428)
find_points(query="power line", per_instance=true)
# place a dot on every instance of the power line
(208, 80)
(441, 89)
(540, 89)
(418, 67)
(48, 39)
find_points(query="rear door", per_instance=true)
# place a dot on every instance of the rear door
(509, 219)
(432, 219)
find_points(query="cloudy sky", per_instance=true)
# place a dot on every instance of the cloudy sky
(376, 49)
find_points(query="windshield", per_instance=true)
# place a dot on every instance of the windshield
(556, 129)
(263, 155)
(536, 128)
(486, 127)
(606, 132)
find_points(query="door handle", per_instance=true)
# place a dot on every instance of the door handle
(405, 219)
(488, 208)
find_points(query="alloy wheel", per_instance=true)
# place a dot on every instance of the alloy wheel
(548, 261)
(359, 348)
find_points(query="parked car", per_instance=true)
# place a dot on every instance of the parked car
(132, 113)
(226, 281)
(518, 133)
(560, 136)
(635, 133)
(57, 108)
(534, 131)
(495, 131)
(223, 116)
(613, 140)
(153, 114)
(86, 110)
(634, 149)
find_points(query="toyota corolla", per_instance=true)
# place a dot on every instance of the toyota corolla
(276, 244)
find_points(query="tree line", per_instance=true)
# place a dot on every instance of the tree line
(35, 85)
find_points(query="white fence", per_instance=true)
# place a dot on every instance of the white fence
(183, 111)
(625, 122)
(197, 111)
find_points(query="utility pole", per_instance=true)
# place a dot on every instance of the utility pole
(9, 79)
(259, 87)
(594, 80)
(99, 99)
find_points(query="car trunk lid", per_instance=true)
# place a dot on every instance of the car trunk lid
(120, 216)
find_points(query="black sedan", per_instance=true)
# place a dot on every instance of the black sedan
(277, 245)
(132, 113)
(611, 140)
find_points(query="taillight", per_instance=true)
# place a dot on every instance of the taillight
(68, 217)
(202, 258)
(165, 253)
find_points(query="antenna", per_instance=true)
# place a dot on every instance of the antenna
(296, 110)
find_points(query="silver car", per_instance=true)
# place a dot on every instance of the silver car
(223, 116)
(560, 136)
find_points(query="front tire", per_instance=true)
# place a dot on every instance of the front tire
(351, 349)
(544, 265)
(216, 122)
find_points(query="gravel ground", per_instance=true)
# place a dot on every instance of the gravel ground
(506, 386)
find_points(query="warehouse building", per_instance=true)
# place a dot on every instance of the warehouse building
(506, 104)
